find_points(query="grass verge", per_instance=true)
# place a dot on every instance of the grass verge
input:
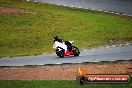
(57, 84)
(31, 33)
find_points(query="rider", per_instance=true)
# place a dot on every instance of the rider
(57, 39)
(69, 45)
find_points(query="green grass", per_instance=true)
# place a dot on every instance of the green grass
(57, 84)
(31, 33)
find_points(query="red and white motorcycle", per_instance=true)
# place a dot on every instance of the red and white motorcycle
(62, 50)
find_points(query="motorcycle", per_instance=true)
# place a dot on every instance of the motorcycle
(62, 50)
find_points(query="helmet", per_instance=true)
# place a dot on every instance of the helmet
(55, 37)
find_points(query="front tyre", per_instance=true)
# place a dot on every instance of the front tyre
(60, 53)
(75, 51)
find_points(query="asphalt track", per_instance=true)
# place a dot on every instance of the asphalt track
(109, 53)
(114, 6)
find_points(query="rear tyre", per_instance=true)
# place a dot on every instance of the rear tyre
(75, 51)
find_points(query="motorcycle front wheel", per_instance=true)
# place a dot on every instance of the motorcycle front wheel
(60, 53)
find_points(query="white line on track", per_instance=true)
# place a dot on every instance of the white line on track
(64, 5)
(71, 6)
(79, 7)
(92, 9)
(58, 63)
(117, 13)
(100, 10)
(106, 11)
(58, 4)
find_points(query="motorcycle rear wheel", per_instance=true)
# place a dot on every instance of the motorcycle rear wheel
(75, 51)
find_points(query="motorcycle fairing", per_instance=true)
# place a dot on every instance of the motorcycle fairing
(67, 53)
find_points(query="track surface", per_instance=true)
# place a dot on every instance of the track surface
(119, 6)
(91, 55)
